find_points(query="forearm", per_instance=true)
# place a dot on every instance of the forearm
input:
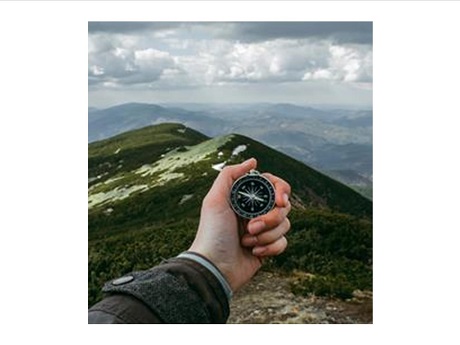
(177, 291)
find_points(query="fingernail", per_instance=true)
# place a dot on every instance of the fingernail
(256, 227)
(259, 250)
(285, 199)
(247, 161)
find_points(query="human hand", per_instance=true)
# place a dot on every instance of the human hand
(218, 236)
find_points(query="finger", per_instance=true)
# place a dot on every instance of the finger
(268, 221)
(272, 249)
(231, 173)
(266, 237)
(282, 189)
(270, 236)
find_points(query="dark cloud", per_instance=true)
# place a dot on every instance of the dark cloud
(129, 27)
(340, 32)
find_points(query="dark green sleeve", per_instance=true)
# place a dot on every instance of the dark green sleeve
(178, 291)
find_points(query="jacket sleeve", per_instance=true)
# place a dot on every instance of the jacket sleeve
(178, 291)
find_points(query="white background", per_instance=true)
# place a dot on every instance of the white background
(43, 142)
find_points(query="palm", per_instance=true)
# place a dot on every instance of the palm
(219, 230)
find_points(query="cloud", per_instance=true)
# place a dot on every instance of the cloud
(283, 60)
(129, 27)
(115, 65)
(338, 32)
(345, 64)
(269, 61)
(186, 55)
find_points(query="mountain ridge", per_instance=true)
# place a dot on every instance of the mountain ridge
(326, 139)
(314, 188)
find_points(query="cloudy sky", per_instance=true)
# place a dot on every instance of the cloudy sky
(244, 62)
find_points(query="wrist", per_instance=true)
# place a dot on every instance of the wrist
(211, 267)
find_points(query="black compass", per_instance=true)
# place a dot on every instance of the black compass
(252, 195)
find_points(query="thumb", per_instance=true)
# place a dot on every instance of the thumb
(234, 172)
(231, 173)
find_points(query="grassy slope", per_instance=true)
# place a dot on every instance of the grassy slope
(314, 188)
(137, 147)
(331, 232)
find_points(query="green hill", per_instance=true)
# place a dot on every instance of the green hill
(129, 150)
(145, 192)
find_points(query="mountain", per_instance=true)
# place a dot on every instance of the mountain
(104, 123)
(145, 189)
(326, 139)
(175, 158)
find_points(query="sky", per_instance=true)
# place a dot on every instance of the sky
(307, 63)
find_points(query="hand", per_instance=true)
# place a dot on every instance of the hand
(218, 236)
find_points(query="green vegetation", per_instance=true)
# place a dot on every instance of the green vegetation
(130, 150)
(138, 249)
(365, 191)
(330, 238)
(335, 249)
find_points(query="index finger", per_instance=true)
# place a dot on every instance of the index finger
(282, 189)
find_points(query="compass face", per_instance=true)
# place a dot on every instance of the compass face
(252, 195)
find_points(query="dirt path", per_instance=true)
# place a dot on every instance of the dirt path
(267, 299)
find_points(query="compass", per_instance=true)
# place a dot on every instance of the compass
(252, 195)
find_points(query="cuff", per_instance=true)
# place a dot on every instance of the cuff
(179, 290)
(198, 258)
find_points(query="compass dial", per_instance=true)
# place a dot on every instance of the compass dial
(252, 195)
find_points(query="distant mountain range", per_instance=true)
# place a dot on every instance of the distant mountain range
(332, 140)
(145, 189)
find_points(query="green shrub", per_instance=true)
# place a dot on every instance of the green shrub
(328, 285)
(336, 249)
(113, 256)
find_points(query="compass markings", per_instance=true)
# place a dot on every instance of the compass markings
(252, 197)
